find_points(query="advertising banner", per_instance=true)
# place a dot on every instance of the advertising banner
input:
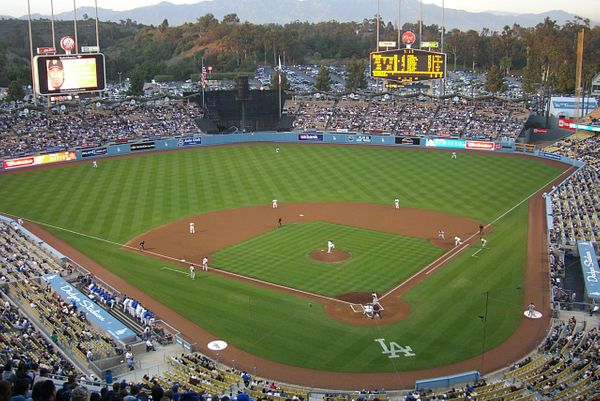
(551, 156)
(143, 146)
(39, 159)
(566, 124)
(446, 143)
(96, 314)
(404, 140)
(189, 141)
(480, 145)
(310, 137)
(589, 267)
(93, 152)
(540, 130)
(358, 138)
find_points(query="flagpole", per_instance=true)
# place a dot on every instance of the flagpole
(203, 82)
(280, 78)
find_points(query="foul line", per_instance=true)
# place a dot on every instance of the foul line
(479, 250)
(224, 272)
(174, 270)
(455, 251)
(436, 263)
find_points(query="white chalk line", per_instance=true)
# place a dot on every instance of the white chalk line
(455, 251)
(451, 254)
(266, 283)
(174, 270)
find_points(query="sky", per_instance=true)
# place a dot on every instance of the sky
(583, 8)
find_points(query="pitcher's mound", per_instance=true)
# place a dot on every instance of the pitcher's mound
(336, 255)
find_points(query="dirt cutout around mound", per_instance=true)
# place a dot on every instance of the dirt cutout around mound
(220, 229)
(527, 336)
(335, 255)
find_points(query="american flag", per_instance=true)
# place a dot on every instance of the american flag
(203, 77)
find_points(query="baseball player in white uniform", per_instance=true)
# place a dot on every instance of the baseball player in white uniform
(205, 264)
(193, 272)
(94, 164)
(397, 203)
(274, 203)
(442, 235)
(192, 228)
(457, 241)
(453, 155)
(483, 242)
(374, 298)
(330, 246)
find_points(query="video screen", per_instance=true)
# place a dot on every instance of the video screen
(69, 73)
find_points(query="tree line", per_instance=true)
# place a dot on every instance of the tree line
(544, 54)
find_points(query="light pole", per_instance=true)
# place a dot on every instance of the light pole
(484, 321)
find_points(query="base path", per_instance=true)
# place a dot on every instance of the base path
(527, 336)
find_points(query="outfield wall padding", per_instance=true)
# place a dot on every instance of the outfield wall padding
(447, 381)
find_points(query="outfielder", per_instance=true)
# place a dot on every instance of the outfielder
(453, 155)
(330, 246)
(94, 164)
(192, 272)
(192, 228)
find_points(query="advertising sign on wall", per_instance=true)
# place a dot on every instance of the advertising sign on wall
(39, 159)
(310, 137)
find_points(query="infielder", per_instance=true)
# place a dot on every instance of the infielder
(457, 241)
(397, 203)
(192, 272)
(205, 264)
(330, 246)
(483, 242)
(442, 234)
(274, 203)
(192, 228)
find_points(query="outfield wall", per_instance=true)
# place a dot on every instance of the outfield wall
(127, 147)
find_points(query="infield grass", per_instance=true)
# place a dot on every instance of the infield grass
(378, 260)
(125, 197)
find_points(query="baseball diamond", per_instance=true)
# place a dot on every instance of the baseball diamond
(284, 313)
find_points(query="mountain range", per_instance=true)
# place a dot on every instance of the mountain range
(284, 11)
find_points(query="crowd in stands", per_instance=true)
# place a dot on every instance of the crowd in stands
(24, 350)
(481, 120)
(566, 366)
(21, 258)
(37, 130)
(576, 202)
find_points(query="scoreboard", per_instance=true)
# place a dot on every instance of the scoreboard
(408, 65)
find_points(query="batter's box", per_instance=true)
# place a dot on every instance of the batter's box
(360, 308)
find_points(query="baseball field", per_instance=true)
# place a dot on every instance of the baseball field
(469, 302)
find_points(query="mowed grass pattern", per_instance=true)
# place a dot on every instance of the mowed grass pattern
(128, 196)
(378, 260)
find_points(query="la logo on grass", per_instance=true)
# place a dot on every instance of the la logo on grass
(393, 350)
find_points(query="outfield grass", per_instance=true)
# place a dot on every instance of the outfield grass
(125, 197)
